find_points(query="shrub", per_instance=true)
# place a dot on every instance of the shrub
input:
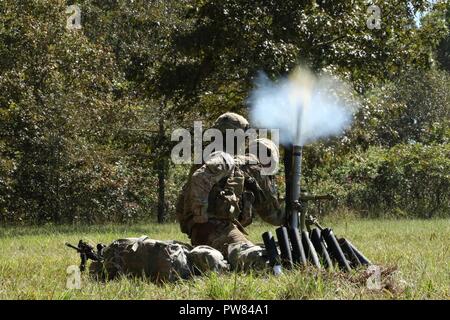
(408, 179)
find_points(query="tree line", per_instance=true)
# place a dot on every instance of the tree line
(86, 112)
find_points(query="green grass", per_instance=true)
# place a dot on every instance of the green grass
(33, 262)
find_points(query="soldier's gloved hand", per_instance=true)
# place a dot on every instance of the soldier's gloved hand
(250, 184)
(200, 213)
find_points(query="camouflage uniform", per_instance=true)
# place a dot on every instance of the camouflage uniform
(221, 197)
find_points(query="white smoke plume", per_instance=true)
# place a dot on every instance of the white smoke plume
(304, 107)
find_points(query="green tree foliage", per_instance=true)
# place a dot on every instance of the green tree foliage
(395, 159)
(406, 180)
(86, 114)
(413, 108)
(50, 77)
(232, 40)
(138, 33)
(443, 50)
(63, 112)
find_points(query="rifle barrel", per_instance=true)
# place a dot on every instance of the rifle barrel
(72, 246)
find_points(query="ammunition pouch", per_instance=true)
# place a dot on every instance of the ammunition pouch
(200, 214)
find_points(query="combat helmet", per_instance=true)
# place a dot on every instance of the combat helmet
(230, 120)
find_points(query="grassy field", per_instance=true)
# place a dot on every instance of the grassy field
(33, 263)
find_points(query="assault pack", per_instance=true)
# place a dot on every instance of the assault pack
(159, 261)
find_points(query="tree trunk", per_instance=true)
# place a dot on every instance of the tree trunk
(161, 192)
(161, 170)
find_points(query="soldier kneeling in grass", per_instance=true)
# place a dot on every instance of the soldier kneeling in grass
(222, 196)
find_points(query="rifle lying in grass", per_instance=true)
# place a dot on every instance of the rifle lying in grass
(86, 252)
(302, 239)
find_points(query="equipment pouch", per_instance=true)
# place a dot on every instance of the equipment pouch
(200, 214)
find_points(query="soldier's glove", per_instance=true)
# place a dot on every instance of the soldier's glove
(200, 213)
(229, 206)
(250, 184)
(312, 220)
